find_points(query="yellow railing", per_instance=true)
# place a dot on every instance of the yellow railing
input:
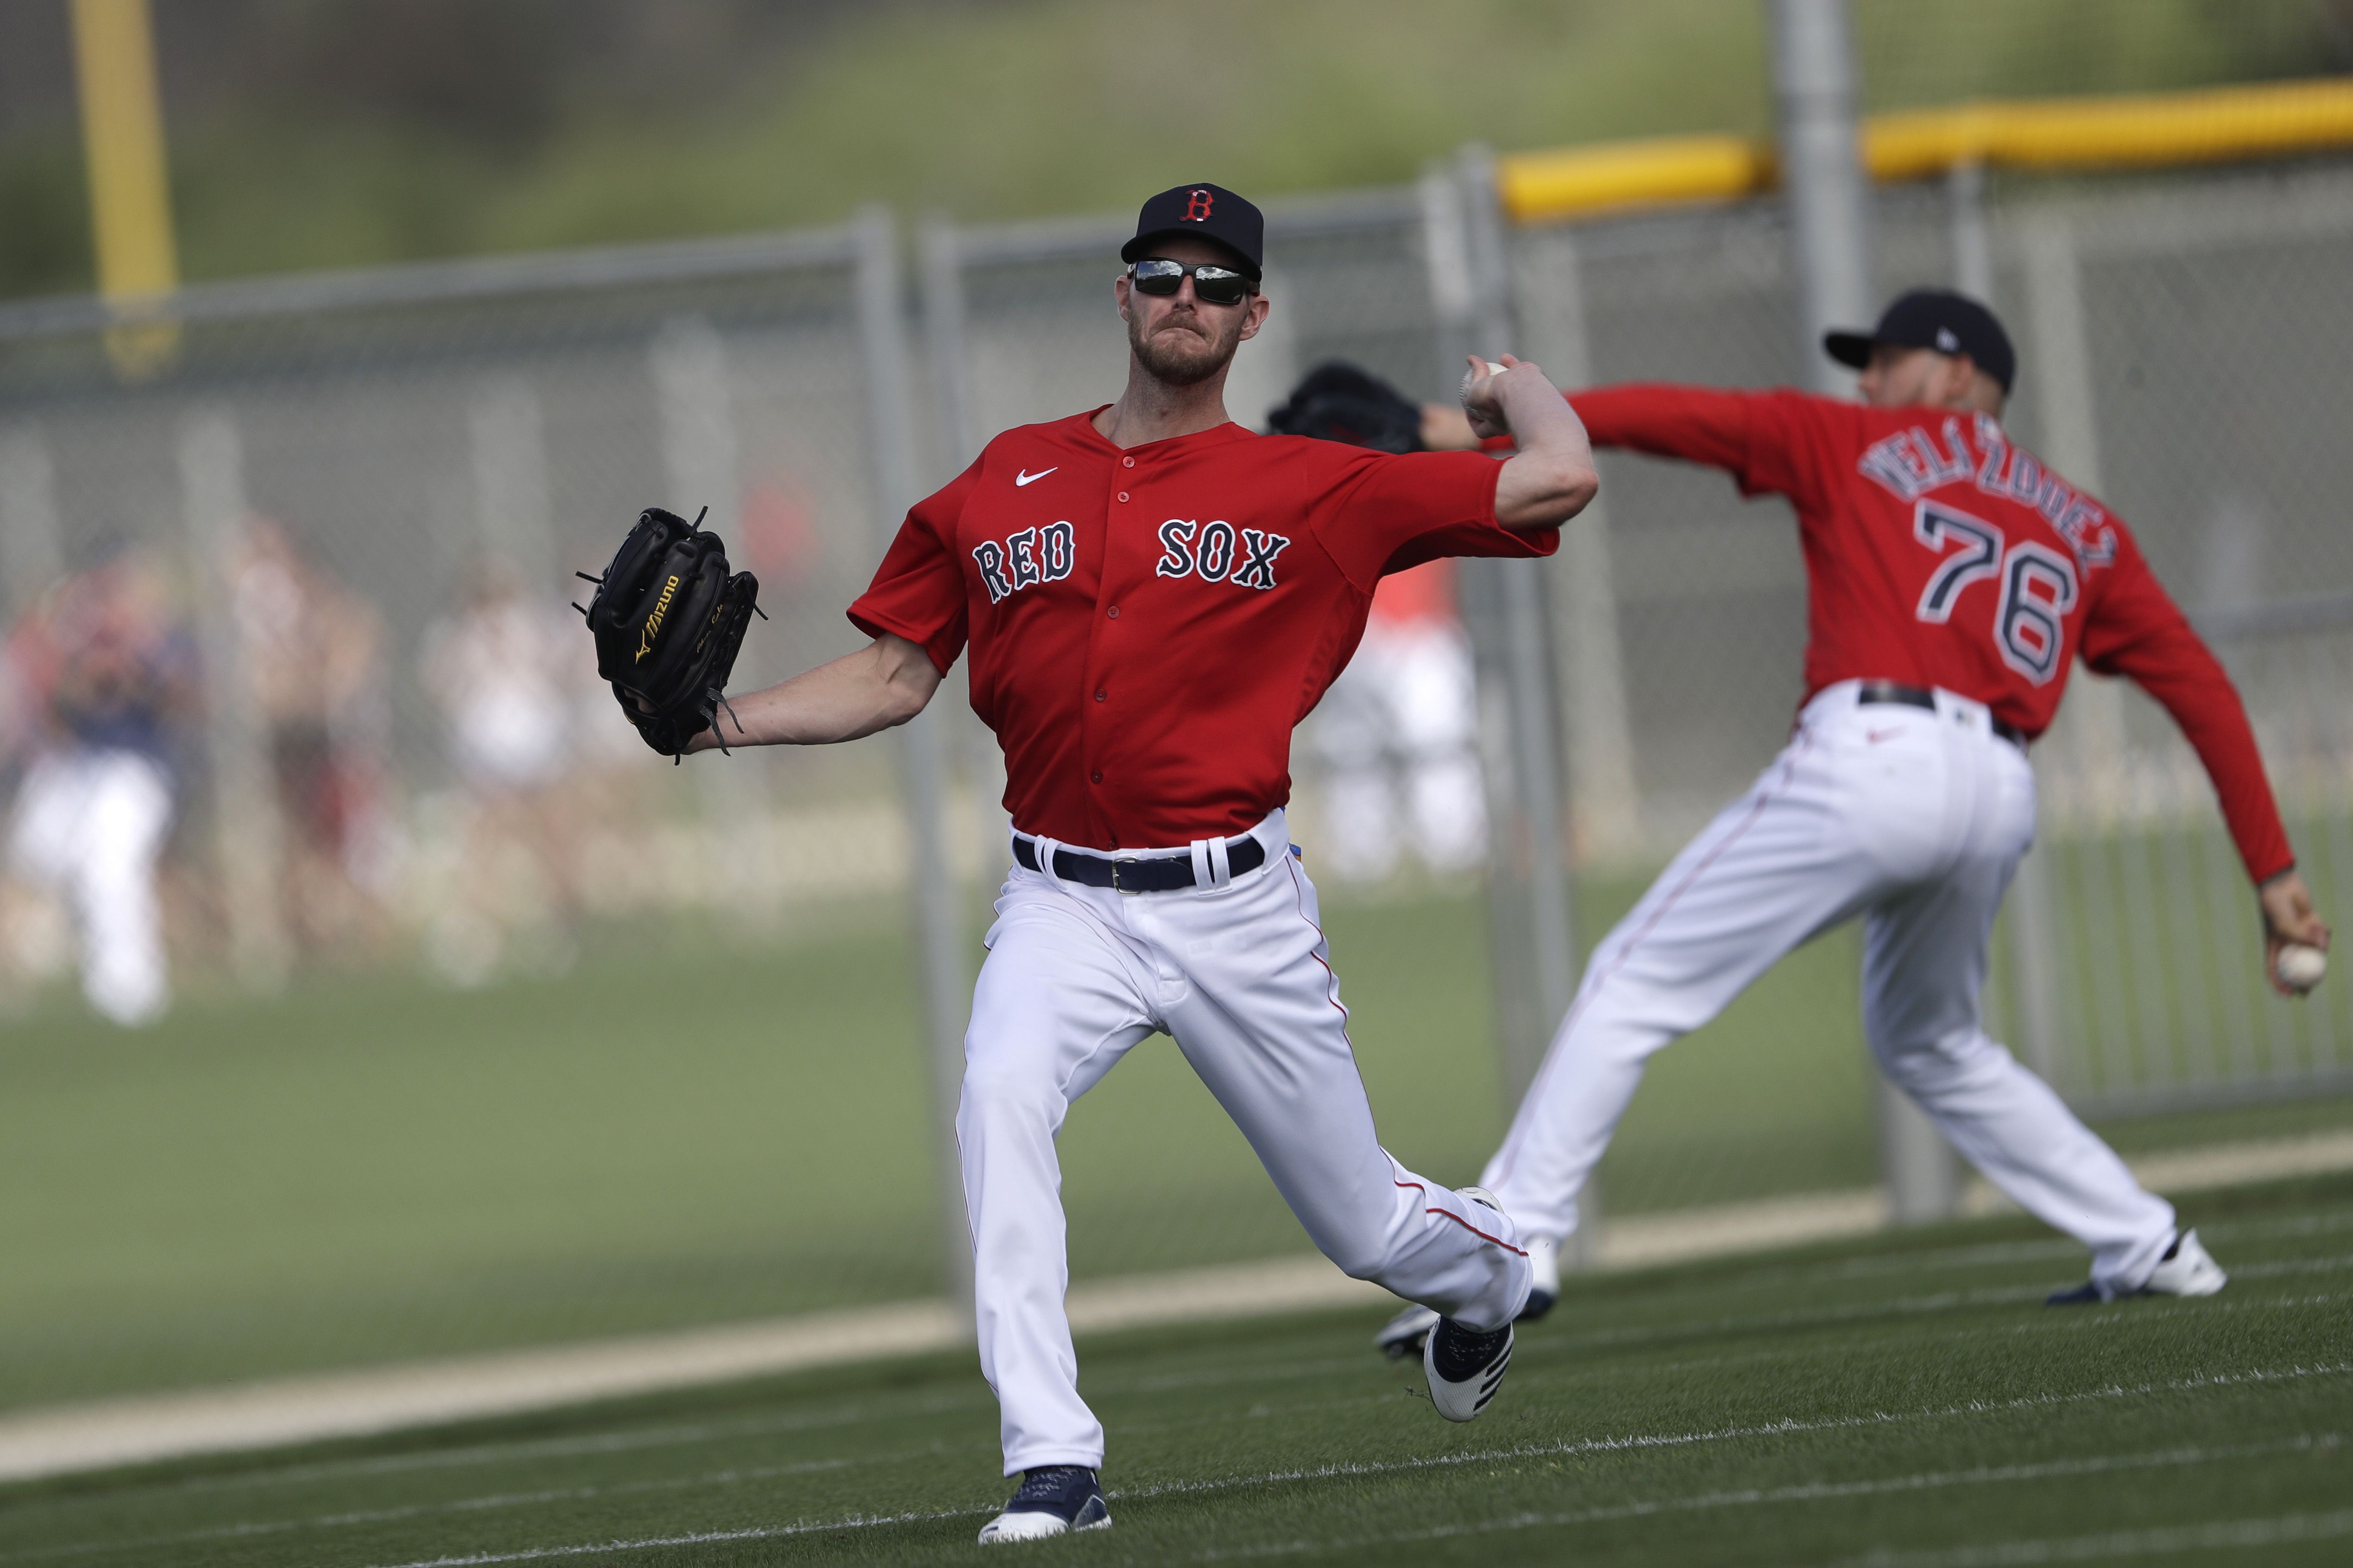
(2142, 131)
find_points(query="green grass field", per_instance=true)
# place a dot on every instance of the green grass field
(1906, 1401)
(369, 1170)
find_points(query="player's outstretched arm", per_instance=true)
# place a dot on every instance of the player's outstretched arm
(883, 684)
(1551, 478)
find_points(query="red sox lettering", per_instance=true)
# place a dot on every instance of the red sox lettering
(1209, 551)
(1026, 559)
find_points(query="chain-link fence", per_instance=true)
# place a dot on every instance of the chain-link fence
(351, 501)
(358, 501)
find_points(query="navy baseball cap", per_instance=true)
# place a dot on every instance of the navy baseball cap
(1935, 319)
(1211, 212)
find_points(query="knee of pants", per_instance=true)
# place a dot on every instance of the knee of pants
(1004, 1094)
(1944, 1063)
(1359, 1255)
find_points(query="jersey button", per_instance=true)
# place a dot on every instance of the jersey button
(1127, 462)
(1096, 775)
(1114, 612)
(1123, 495)
(1099, 693)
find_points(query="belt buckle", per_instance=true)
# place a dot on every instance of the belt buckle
(1116, 887)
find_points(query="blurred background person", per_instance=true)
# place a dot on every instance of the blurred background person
(97, 674)
(504, 672)
(1398, 736)
(315, 652)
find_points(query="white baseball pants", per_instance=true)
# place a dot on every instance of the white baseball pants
(1238, 973)
(1916, 820)
(89, 826)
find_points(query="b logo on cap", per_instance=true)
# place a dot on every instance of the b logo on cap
(1947, 342)
(1197, 206)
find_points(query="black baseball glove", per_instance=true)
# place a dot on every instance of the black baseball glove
(668, 619)
(1338, 401)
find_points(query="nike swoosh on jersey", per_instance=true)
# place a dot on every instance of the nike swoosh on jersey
(1026, 478)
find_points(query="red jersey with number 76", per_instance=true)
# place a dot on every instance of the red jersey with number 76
(1940, 552)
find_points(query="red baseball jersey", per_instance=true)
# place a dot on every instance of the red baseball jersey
(1147, 625)
(1939, 552)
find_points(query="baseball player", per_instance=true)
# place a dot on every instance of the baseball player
(99, 674)
(1152, 597)
(1952, 578)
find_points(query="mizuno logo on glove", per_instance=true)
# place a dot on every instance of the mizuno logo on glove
(654, 621)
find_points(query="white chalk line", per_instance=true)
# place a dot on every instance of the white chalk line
(2282, 1529)
(2078, 1319)
(1808, 1492)
(1909, 1306)
(735, 1477)
(521, 1449)
(1342, 1472)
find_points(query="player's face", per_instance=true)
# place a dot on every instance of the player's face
(1180, 338)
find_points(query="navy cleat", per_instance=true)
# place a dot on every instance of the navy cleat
(2186, 1269)
(1465, 1366)
(1054, 1499)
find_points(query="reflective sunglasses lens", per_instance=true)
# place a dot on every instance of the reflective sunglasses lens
(1158, 276)
(1219, 286)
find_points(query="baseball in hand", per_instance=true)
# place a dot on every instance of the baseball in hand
(2300, 967)
(1471, 377)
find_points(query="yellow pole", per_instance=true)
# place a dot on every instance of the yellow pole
(130, 195)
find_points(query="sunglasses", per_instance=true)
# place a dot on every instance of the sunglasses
(1211, 285)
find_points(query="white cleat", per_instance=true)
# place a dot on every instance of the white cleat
(1054, 1499)
(2186, 1269)
(1402, 1335)
(1465, 1366)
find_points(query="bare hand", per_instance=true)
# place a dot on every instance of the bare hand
(1481, 402)
(2288, 917)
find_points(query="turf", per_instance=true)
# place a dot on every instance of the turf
(1903, 1400)
(370, 1169)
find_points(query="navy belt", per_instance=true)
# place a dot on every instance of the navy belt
(1161, 874)
(1921, 697)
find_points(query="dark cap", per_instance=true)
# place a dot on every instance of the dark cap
(1935, 319)
(1212, 212)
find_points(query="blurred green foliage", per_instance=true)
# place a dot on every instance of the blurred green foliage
(371, 130)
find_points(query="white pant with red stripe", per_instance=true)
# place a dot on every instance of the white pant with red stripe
(1915, 820)
(1239, 975)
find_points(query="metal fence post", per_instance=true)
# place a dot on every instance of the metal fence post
(1969, 234)
(940, 263)
(247, 829)
(2032, 921)
(1815, 89)
(939, 925)
(32, 539)
(694, 390)
(1604, 810)
(1532, 938)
